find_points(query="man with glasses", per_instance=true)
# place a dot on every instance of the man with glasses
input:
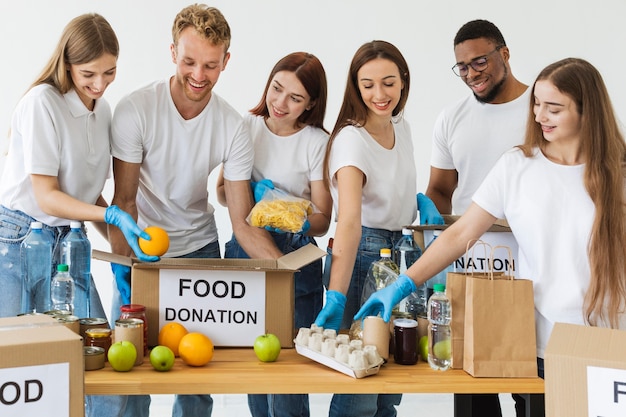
(470, 135)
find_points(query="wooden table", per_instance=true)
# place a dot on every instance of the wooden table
(236, 371)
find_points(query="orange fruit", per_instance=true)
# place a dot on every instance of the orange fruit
(171, 334)
(195, 349)
(158, 244)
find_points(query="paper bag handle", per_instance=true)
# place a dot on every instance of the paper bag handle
(472, 243)
(493, 249)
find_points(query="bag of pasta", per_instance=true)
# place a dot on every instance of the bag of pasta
(279, 211)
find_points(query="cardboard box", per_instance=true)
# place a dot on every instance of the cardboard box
(498, 234)
(230, 300)
(585, 372)
(41, 368)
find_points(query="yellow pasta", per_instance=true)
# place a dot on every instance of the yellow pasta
(287, 215)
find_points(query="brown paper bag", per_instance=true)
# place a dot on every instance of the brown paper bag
(455, 290)
(499, 327)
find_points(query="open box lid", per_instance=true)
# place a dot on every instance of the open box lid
(500, 225)
(290, 262)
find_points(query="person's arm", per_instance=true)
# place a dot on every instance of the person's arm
(219, 188)
(441, 185)
(321, 199)
(56, 203)
(255, 241)
(101, 226)
(126, 179)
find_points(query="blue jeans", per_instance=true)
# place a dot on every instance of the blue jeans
(309, 294)
(362, 405)
(184, 405)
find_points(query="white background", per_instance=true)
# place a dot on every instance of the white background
(537, 32)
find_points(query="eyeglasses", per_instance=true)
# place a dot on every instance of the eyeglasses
(478, 64)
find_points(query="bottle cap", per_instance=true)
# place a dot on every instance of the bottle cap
(407, 232)
(385, 252)
(36, 225)
(75, 225)
(405, 323)
(439, 288)
(436, 232)
(62, 268)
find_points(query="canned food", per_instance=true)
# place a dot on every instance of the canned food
(55, 313)
(94, 358)
(71, 322)
(98, 337)
(131, 330)
(92, 323)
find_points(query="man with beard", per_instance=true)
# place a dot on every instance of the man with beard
(167, 137)
(469, 137)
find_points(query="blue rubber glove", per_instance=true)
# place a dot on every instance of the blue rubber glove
(260, 188)
(386, 299)
(305, 227)
(331, 315)
(428, 211)
(122, 280)
(124, 221)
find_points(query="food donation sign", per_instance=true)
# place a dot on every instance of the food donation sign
(227, 306)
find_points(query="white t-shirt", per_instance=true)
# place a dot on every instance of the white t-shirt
(300, 156)
(470, 136)
(176, 157)
(390, 177)
(56, 135)
(551, 215)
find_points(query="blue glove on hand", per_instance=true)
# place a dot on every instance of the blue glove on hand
(331, 315)
(259, 188)
(122, 280)
(305, 227)
(428, 211)
(117, 217)
(386, 299)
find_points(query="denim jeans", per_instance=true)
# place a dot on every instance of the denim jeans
(362, 405)
(309, 294)
(184, 405)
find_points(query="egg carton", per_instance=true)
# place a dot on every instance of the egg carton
(338, 352)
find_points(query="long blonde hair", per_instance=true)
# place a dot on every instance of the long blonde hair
(605, 169)
(84, 39)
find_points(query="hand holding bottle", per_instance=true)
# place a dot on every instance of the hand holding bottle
(384, 300)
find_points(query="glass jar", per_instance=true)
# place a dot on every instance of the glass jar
(137, 311)
(99, 337)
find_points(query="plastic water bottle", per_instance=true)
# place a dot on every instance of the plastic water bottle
(406, 252)
(380, 274)
(36, 264)
(76, 253)
(439, 342)
(62, 290)
(439, 278)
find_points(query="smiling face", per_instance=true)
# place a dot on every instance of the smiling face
(93, 78)
(557, 114)
(199, 64)
(286, 100)
(487, 84)
(380, 86)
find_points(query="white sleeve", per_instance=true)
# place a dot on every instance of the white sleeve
(127, 133)
(440, 153)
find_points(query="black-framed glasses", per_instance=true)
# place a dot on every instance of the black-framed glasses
(479, 64)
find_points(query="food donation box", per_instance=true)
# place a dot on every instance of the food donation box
(585, 372)
(477, 259)
(41, 368)
(230, 300)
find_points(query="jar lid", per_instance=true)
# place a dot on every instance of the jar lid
(128, 323)
(132, 308)
(98, 332)
(405, 323)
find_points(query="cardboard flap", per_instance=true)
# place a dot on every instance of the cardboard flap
(301, 257)
(111, 257)
(500, 225)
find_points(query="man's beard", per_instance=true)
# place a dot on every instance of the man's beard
(495, 90)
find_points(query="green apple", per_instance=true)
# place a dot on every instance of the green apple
(122, 356)
(442, 350)
(162, 358)
(423, 348)
(267, 347)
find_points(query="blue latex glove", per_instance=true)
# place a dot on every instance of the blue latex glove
(331, 315)
(124, 221)
(305, 227)
(122, 280)
(260, 188)
(386, 299)
(428, 211)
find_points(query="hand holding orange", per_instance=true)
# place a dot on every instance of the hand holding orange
(158, 244)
